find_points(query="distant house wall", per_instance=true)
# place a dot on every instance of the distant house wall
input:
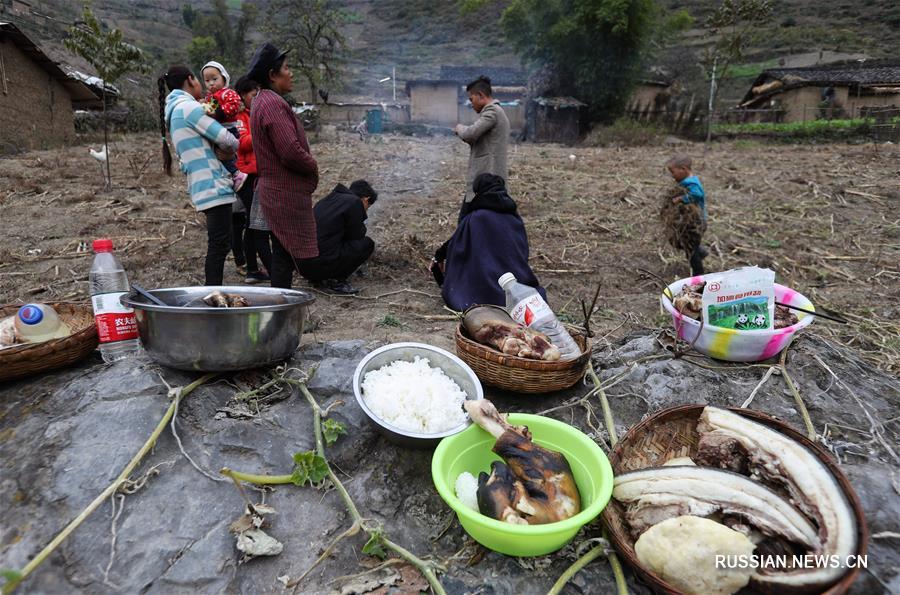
(547, 124)
(354, 113)
(804, 103)
(515, 113)
(648, 96)
(855, 103)
(35, 109)
(434, 103)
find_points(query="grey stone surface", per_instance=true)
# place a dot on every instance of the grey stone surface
(65, 436)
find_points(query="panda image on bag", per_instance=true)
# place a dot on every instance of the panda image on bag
(743, 321)
(759, 320)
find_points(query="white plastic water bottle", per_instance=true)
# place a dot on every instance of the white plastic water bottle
(116, 325)
(526, 306)
(38, 322)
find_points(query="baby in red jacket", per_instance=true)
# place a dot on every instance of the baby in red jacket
(223, 104)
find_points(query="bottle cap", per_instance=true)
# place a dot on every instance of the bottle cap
(31, 314)
(506, 278)
(103, 245)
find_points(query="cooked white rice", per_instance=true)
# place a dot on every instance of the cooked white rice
(467, 490)
(414, 396)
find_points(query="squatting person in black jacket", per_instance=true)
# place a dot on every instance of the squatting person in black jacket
(341, 235)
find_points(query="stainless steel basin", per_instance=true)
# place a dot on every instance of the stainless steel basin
(220, 339)
(452, 366)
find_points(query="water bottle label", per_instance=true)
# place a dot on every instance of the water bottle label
(530, 309)
(115, 322)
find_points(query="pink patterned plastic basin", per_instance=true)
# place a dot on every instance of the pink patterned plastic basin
(736, 345)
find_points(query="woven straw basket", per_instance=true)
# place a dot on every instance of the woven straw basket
(519, 374)
(672, 433)
(27, 359)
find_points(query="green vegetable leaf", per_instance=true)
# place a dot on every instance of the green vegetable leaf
(374, 547)
(308, 468)
(11, 576)
(332, 429)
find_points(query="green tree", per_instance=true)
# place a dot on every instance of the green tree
(593, 47)
(199, 51)
(217, 36)
(189, 15)
(311, 30)
(731, 27)
(108, 54)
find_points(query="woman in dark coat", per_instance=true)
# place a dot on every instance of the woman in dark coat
(288, 173)
(489, 240)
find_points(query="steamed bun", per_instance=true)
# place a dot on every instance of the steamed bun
(683, 552)
(466, 488)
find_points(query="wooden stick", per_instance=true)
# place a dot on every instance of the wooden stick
(813, 313)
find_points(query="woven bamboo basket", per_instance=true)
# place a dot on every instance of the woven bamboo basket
(519, 374)
(672, 433)
(27, 359)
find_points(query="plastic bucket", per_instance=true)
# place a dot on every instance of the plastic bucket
(738, 345)
(470, 451)
(375, 121)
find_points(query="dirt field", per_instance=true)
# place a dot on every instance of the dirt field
(825, 218)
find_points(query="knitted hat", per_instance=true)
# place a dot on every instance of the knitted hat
(220, 68)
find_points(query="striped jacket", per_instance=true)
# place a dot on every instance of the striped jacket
(193, 134)
(288, 174)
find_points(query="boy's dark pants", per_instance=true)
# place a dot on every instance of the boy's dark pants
(238, 241)
(282, 271)
(697, 254)
(218, 242)
(249, 244)
(353, 254)
(696, 261)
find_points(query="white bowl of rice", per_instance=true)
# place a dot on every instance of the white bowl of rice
(413, 393)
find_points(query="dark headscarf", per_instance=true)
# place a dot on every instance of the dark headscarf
(490, 194)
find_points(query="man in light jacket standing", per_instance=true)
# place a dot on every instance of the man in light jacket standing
(488, 137)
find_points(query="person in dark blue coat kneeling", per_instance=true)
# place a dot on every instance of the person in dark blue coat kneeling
(489, 240)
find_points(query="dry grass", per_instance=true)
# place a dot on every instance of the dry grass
(823, 217)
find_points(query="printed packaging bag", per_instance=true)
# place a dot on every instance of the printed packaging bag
(741, 299)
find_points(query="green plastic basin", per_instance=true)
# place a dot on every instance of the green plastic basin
(470, 451)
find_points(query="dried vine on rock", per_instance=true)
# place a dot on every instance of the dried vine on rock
(313, 468)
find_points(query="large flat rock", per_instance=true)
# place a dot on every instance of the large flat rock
(66, 435)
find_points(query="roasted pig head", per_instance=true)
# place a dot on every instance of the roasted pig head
(534, 486)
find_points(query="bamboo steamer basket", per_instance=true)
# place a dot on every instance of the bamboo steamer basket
(672, 433)
(28, 359)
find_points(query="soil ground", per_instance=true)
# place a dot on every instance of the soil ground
(823, 217)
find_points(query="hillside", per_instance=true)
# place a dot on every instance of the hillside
(801, 33)
(418, 36)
